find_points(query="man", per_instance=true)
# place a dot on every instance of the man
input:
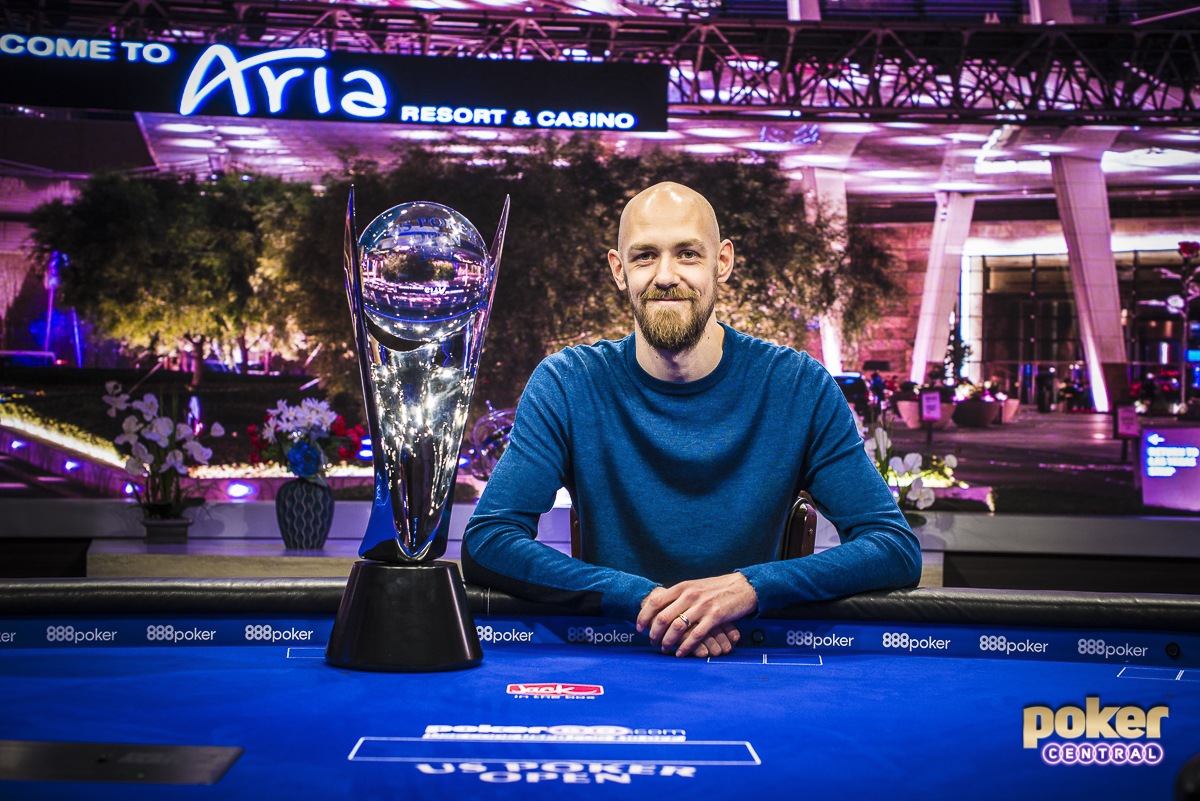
(682, 447)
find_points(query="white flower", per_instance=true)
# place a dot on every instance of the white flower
(184, 431)
(115, 399)
(897, 466)
(217, 430)
(869, 444)
(131, 427)
(159, 431)
(148, 406)
(174, 460)
(198, 452)
(882, 442)
(142, 453)
(924, 496)
(134, 467)
(951, 461)
(912, 463)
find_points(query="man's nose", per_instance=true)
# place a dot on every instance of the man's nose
(667, 274)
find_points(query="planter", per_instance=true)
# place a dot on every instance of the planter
(910, 412)
(304, 510)
(171, 531)
(1008, 411)
(976, 413)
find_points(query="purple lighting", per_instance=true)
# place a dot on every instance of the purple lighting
(238, 490)
(70, 465)
(18, 444)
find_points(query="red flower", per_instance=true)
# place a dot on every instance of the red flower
(252, 429)
(344, 452)
(254, 458)
(1189, 249)
(339, 427)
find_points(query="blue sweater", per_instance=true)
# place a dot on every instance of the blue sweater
(677, 481)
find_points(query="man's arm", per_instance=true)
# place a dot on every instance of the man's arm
(499, 545)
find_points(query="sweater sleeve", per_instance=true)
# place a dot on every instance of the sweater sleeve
(499, 547)
(878, 550)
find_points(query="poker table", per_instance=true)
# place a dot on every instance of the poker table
(216, 688)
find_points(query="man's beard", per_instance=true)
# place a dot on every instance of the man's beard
(670, 330)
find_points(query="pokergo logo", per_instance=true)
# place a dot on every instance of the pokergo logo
(1095, 723)
(595, 637)
(489, 634)
(807, 639)
(266, 632)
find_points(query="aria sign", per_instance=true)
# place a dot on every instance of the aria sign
(311, 83)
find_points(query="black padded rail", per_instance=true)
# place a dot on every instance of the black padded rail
(141, 596)
(973, 607)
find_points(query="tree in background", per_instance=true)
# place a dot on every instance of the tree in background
(175, 264)
(555, 289)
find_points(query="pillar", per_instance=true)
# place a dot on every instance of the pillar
(829, 190)
(951, 225)
(1082, 197)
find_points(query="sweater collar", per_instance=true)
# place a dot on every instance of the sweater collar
(729, 343)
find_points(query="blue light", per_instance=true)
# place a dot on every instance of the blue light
(70, 465)
(1193, 355)
(18, 444)
(365, 454)
(366, 440)
(238, 489)
(463, 462)
(129, 489)
(365, 104)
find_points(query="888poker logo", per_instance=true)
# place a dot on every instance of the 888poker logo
(1095, 734)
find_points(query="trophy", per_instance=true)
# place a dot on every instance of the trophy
(420, 282)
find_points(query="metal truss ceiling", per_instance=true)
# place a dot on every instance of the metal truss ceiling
(726, 68)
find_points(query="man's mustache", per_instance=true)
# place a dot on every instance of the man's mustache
(674, 293)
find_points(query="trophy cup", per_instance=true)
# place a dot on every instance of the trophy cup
(420, 283)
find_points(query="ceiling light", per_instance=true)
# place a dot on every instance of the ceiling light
(905, 125)
(482, 135)
(254, 144)
(849, 127)
(1045, 149)
(184, 127)
(241, 130)
(420, 134)
(768, 147)
(1153, 157)
(711, 148)
(658, 135)
(964, 136)
(192, 142)
(719, 133)
(896, 174)
(918, 141)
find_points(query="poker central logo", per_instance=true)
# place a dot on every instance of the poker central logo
(559, 691)
(1095, 724)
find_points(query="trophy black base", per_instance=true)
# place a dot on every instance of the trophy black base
(404, 619)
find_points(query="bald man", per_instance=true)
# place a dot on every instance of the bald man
(682, 447)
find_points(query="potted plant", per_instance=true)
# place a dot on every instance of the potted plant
(159, 448)
(975, 407)
(909, 476)
(305, 439)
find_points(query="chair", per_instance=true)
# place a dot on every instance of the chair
(799, 530)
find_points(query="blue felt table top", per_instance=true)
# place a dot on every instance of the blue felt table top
(779, 722)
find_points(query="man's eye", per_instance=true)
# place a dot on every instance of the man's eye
(689, 254)
(643, 257)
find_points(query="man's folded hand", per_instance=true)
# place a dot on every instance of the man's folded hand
(696, 617)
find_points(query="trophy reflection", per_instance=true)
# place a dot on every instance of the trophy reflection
(420, 282)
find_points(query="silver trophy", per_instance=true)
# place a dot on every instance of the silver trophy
(420, 282)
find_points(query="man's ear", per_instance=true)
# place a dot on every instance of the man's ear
(725, 261)
(618, 269)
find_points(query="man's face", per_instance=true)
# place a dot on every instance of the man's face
(670, 263)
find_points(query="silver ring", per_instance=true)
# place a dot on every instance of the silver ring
(686, 622)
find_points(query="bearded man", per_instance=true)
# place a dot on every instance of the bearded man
(682, 447)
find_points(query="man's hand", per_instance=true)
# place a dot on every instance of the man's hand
(694, 617)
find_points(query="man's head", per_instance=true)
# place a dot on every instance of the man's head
(669, 258)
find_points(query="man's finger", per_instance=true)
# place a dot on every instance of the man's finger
(675, 631)
(658, 599)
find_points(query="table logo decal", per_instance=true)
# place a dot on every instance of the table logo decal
(596, 636)
(808, 639)
(999, 642)
(73, 635)
(1095, 724)
(495, 635)
(168, 633)
(904, 642)
(266, 632)
(1100, 648)
(546, 690)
